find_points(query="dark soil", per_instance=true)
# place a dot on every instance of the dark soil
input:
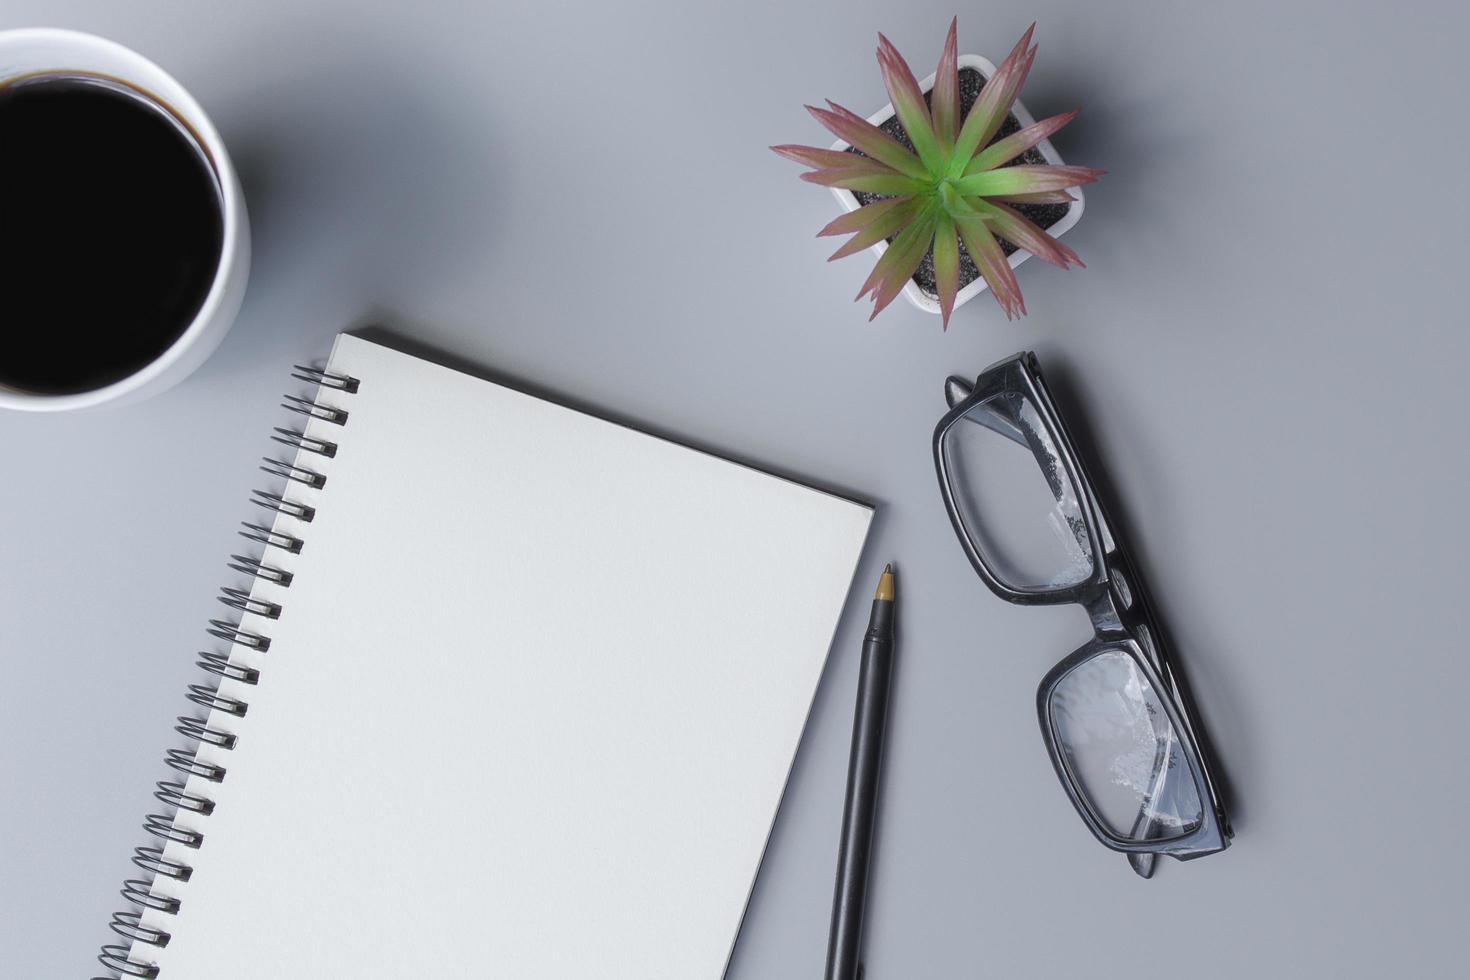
(1044, 215)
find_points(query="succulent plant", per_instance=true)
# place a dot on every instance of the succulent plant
(953, 190)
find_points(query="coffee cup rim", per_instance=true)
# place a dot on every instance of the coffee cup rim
(207, 327)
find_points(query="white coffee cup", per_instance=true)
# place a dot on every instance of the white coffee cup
(30, 50)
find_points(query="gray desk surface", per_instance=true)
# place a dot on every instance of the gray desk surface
(1269, 345)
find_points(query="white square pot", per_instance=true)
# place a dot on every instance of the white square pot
(911, 289)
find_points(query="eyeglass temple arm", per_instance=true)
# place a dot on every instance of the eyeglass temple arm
(1153, 649)
(1144, 862)
(1182, 702)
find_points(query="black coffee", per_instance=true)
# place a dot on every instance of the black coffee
(110, 231)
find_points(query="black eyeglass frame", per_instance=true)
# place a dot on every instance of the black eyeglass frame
(1115, 601)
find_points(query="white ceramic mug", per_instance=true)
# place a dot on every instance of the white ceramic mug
(30, 50)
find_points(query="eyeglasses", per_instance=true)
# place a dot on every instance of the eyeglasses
(1114, 714)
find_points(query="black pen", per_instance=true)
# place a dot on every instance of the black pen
(859, 810)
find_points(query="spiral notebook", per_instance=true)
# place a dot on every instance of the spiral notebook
(504, 690)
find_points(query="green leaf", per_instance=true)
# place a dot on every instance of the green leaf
(813, 156)
(1025, 179)
(887, 224)
(856, 163)
(946, 265)
(858, 179)
(858, 132)
(1005, 150)
(908, 262)
(991, 261)
(900, 260)
(846, 224)
(908, 103)
(1022, 233)
(945, 96)
(994, 103)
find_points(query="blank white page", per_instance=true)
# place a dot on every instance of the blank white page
(529, 707)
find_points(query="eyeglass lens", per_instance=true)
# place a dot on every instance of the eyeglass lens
(1122, 751)
(1014, 496)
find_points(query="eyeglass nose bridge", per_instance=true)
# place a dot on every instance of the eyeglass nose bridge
(1102, 609)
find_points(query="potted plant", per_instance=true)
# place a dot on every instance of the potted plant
(952, 185)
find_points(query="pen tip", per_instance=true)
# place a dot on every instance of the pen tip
(885, 584)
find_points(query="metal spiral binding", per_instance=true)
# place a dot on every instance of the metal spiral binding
(300, 440)
(259, 569)
(270, 537)
(231, 633)
(174, 795)
(151, 860)
(311, 409)
(129, 925)
(245, 602)
(279, 504)
(183, 760)
(193, 728)
(213, 663)
(287, 471)
(119, 959)
(322, 379)
(162, 827)
(140, 893)
(210, 698)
